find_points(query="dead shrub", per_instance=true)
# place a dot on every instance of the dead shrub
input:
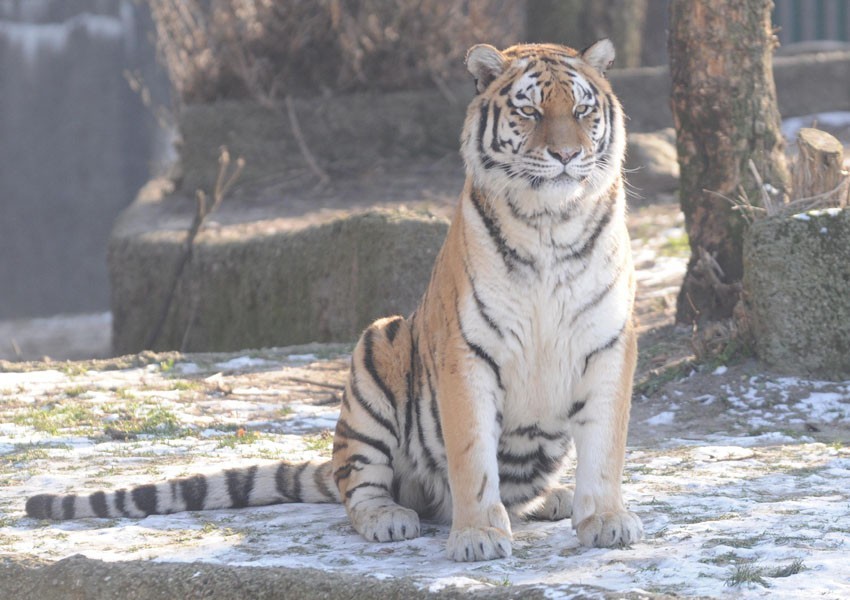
(273, 49)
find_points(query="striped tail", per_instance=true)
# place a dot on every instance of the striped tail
(276, 483)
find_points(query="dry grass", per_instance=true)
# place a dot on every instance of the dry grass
(767, 206)
(270, 49)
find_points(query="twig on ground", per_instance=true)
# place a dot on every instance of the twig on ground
(333, 386)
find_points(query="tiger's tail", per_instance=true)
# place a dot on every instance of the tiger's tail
(258, 485)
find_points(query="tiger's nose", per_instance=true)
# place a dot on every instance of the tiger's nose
(564, 155)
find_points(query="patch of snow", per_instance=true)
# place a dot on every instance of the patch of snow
(241, 362)
(827, 406)
(310, 417)
(31, 378)
(802, 217)
(460, 582)
(188, 368)
(720, 370)
(664, 418)
(301, 357)
(830, 212)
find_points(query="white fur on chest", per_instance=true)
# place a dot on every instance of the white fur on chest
(546, 329)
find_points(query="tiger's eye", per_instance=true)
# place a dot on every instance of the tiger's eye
(583, 110)
(529, 111)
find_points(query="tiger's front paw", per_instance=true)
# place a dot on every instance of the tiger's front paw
(481, 542)
(485, 543)
(386, 523)
(606, 530)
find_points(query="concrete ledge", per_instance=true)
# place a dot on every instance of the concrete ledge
(269, 282)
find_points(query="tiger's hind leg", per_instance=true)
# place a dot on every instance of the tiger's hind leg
(367, 439)
(557, 505)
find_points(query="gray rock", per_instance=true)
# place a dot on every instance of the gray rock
(264, 282)
(797, 291)
(651, 163)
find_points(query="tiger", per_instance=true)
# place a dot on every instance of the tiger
(521, 352)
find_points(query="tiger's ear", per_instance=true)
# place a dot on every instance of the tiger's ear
(600, 55)
(485, 63)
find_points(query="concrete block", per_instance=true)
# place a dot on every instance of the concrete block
(797, 291)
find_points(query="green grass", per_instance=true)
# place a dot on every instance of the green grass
(322, 442)
(744, 542)
(76, 391)
(140, 419)
(676, 246)
(734, 351)
(747, 575)
(73, 369)
(722, 560)
(8, 521)
(751, 574)
(183, 385)
(125, 394)
(53, 418)
(659, 378)
(26, 452)
(239, 437)
(790, 569)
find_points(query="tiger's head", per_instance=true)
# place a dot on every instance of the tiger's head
(544, 120)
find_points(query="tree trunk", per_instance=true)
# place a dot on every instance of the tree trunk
(580, 23)
(725, 113)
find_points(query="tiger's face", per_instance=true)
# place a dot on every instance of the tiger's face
(545, 119)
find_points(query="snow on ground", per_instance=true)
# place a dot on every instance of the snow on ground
(754, 515)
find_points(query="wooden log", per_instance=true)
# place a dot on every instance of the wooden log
(818, 168)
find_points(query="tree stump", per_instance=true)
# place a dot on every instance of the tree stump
(817, 170)
(797, 269)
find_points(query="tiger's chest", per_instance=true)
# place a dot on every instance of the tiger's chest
(538, 356)
(550, 321)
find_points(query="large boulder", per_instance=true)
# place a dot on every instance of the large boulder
(797, 291)
(652, 164)
(255, 282)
